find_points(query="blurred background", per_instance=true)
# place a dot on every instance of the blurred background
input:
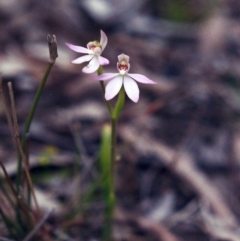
(177, 177)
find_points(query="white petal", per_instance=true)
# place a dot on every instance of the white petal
(142, 79)
(131, 88)
(113, 87)
(78, 49)
(82, 59)
(105, 76)
(102, 60)
(103, 40)
(92, 66)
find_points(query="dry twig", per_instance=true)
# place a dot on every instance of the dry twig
(185, 169)
(145, 223)
(14, 115)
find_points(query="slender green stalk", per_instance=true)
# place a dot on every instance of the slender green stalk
(35, 102)
(29, 121)
(111, 191)
(119, 105)
(108, 162)
(52, 46)
(113, 144)
(106, 179)
(100, 71)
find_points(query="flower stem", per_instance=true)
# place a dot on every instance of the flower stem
(109, 171)
(100, 71)
(107, 160)
(111, 197)
(113, 144)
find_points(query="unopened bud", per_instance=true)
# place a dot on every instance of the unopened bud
(52, 45)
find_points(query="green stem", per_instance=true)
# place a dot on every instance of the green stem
(35, 102)
(107, 169)
(111, 198)
(113, 144)
(29, 121)
(111, 194)
(106, 102)
(109, 184)
(99, 72)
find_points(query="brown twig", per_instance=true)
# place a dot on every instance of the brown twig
(7, 113)
(17, 197)
(16, 131)
(216, 228)
(185, 169)
(38, 226)
(146, 223)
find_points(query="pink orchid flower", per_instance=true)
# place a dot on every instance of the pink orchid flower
(94, 50)
(123, 78)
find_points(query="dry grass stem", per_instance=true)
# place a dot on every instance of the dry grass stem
(38, 226)
(17, 197)
(7, 113)
(14, 115)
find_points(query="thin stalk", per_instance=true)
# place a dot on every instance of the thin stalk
(14, 115)
(113, 143)
(107, 103)
(5, 192)
(111, 202)
(29, 121)
(9, 224)
(7, 113)
(52, 46)
(14, 192)
(107, 158)
(110, 171)
(38, 226)
(35, 102)
(27, 161)
(111, 198)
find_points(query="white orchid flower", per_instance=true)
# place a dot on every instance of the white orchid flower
(94, 50)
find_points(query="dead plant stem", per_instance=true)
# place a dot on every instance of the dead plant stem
(7, 113)
(14, 115)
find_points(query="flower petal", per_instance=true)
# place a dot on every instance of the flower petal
(105, 76)
(82, 59)
(113, 87)
(92, 66)
(131, 88)
(78, 49)
(103, 40)
(141, 78)
(102, 60)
